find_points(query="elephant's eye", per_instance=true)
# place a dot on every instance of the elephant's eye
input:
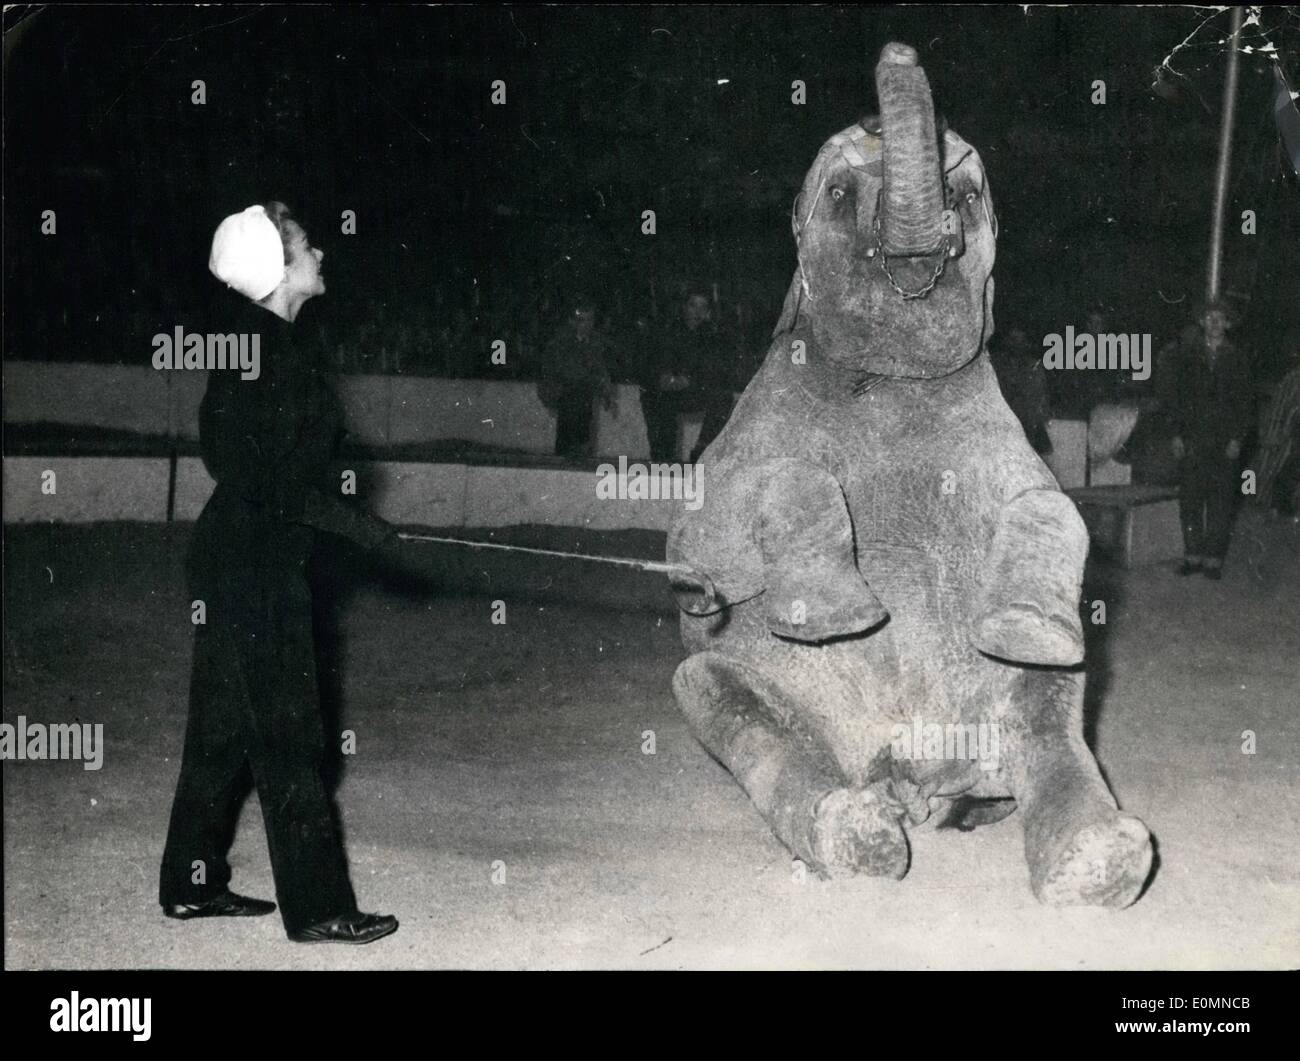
(837, 194)
(970, 198)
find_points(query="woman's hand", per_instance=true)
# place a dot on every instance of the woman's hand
(1177, 446)
(1234, 450)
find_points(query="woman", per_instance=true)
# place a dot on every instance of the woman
(267, 442)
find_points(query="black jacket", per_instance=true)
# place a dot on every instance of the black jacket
(1205, 406)
(570, 363)
(269, 443)
(706, 355)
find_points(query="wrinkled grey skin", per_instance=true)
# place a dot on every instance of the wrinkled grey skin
(887, 549)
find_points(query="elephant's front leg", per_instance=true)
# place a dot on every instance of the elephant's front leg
(743, 719)
(1027, 607)
(813, 590)
(1082, 850)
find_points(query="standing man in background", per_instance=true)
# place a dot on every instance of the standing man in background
(575, 373)
(689, 371)
(1208, 403)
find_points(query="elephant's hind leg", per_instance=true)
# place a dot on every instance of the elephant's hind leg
(1081, 848)
(742, 718)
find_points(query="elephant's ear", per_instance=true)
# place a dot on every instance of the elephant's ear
(790, 311)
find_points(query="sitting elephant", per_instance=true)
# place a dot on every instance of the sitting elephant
(888, 553)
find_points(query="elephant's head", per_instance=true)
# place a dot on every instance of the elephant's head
(895, 232)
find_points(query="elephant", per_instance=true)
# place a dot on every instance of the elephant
(887, 553)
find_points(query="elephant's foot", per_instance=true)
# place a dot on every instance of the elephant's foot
(1081, 848)
(1027, 610)
(817, 601)
(853, 831)
(744, 719)
(814, 590)
(1027, 632)
(1105, 863)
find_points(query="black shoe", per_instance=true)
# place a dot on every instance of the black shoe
(348, 928)
(227, 904)
(1214, 572)
(1189, 567)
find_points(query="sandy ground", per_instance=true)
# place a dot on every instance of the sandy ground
(520, 747)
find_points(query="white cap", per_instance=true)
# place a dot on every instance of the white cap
(247, 253)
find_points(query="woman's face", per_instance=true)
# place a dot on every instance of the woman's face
(304, 275)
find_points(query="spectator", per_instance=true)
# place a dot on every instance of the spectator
(574, 373)
(1208, 399)
(687, 371)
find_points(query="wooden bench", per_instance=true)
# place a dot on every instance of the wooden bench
(1134, 525)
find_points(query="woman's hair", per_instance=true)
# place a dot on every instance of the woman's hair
(280, 215)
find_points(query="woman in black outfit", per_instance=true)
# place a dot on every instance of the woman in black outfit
(268, 443)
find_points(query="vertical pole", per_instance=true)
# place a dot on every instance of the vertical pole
(172, 444)
(1213, 279)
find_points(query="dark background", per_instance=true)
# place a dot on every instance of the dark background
(478, 221)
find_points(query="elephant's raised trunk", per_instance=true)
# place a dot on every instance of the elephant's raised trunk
(912, 209)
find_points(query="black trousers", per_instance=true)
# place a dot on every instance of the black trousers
(1209, 486)
(573, 420)
(255, 709)
(662, 408)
